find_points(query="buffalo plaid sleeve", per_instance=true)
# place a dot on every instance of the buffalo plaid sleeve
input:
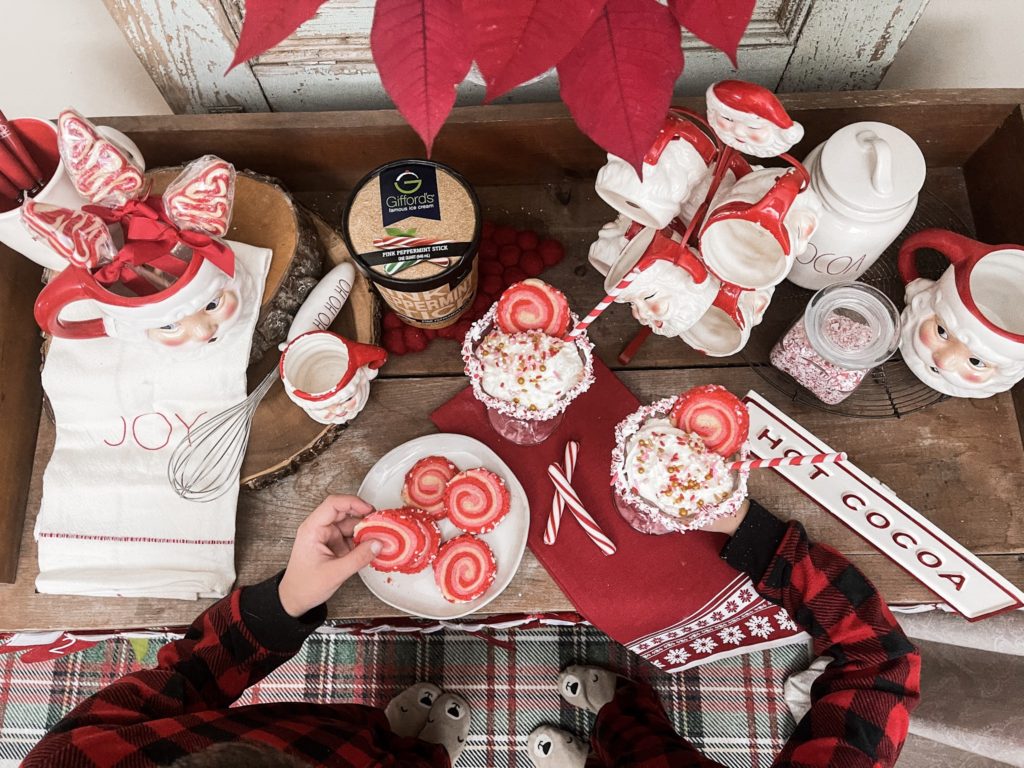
(861, 704)
(234, 643)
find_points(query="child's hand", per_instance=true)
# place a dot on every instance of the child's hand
(323, 557)
(729, 524)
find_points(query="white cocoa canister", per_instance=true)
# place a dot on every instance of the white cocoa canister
(868, 176)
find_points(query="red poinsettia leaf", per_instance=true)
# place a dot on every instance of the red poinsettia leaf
(516, 40)
(720, 23)
(422, 53)
(618, 80)
(268, 22)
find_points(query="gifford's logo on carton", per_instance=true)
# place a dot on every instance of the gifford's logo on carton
(884, 520)
(405, 192)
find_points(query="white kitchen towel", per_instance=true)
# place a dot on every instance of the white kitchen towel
(110, 524)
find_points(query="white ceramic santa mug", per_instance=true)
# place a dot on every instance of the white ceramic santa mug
(675, 176)
(757, 227)
(672, 291)
(198, 308)
(329, 376)
(725, 328)
(963, 334)
(750, 118)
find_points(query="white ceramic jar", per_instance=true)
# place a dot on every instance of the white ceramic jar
(868, 176)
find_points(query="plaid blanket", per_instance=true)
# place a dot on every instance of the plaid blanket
(732, 708)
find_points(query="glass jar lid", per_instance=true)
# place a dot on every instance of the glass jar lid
(852, 325)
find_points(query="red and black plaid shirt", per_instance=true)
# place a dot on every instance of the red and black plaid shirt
(860, 706)
(155, 716)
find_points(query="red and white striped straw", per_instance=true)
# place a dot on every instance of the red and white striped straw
(607, 301)
(788, 461)
(572, 449)
(588, 523)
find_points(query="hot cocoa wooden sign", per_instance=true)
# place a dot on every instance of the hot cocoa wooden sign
(889, 524)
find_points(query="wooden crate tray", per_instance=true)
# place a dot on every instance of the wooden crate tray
(960, 462)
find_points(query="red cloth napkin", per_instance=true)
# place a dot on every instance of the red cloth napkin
(670, 598)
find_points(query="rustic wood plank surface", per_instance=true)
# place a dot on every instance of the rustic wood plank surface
(846, 45)
(528, 143)
(20, 399)
(573, 212)
(186, 48)
(960, 463)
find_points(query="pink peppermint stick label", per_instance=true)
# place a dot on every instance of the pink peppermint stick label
(885, 521)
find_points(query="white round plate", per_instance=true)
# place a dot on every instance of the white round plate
(416, 593)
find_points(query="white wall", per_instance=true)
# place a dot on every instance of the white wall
(77, 55)
(963, 44)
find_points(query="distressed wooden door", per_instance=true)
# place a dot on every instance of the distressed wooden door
(791, 45)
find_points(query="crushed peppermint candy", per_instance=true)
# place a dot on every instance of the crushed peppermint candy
(665, 479)
(829, 382)
(529, 376)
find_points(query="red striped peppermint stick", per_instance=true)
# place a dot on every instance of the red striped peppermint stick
(788, 461)
(607, 301)
(588, 523)
(572, 449)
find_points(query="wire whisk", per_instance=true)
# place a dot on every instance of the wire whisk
(205, 465)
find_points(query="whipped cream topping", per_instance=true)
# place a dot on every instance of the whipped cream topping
(531, 369)
(673, 470)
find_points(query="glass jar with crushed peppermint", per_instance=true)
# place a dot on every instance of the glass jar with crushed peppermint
(846, 330)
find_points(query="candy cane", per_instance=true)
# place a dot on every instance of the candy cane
(588, 523)
(788, 461)
(572, 449)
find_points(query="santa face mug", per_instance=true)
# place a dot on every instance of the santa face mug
(672, 292)
(725, 328)
(675, 172)
(750, 119)
(198, 308)
(758, 226)
(963, 334)
(329, 376)
(611, 239)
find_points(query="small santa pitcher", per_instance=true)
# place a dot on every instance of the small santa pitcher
(329, 376)
(868, 176)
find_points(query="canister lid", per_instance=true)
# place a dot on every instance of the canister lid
(872, 166)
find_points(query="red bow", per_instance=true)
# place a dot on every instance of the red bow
(150, 238)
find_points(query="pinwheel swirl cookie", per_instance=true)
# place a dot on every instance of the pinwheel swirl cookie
(409, 539)
(425, 484)
(464, 569)
(476, 500)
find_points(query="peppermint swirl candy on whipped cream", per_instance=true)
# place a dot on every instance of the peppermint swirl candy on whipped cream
(530, 369)
(674, 471)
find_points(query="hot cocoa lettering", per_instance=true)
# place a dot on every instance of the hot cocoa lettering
(831, 263)
(814, 470)
(904, 537)
(901, 538)
(152, 431)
